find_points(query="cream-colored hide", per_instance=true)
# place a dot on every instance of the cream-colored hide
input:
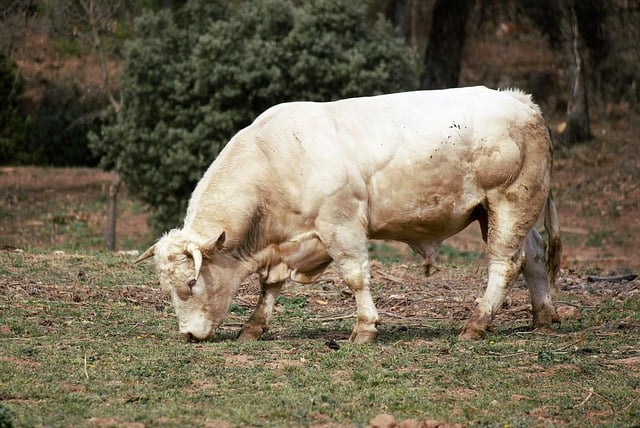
(308, 183)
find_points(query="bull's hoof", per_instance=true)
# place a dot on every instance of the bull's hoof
(472, 334)
(476, 327)
(544, 318)
(251, 332)
(363, 337)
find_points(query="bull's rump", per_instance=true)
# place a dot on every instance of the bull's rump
(420, 161)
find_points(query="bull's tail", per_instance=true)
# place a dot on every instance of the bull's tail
(554, 244)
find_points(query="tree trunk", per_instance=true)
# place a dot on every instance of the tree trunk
(397, 13)
(446, 40)
(110, 234)
(577, 127)
(558, 19)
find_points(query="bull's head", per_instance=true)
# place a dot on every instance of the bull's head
(200, 278)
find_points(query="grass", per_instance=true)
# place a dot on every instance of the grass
(88, 340)
(453, 255)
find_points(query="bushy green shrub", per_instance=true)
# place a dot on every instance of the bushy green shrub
(190, 82)
(5, 417)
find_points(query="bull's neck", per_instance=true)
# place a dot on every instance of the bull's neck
(230, 204)
(229, 196)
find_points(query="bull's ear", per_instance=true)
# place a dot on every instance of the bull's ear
(213, 244)
(148, 253)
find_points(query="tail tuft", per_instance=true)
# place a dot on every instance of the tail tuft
(554, 244)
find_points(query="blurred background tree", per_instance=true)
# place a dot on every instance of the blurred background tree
(14, 121)
(573, 54)
(55, 42)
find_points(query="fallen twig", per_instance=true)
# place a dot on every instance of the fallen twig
(232, 325)
(131, 328)
(587, 398)
(514, 354)
(520, 308)
(628, 406)
(392, 315)
(562, 348)
(606, 400)
(591, 393)
(621, 278)
(575, 305)
(389, 277)
(86, 373)
(244, 302)
(335, 318)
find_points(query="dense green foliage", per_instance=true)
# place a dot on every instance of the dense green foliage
(14, 122)
(65, 116)
(55, 133)
(5, 417)
(193, 79)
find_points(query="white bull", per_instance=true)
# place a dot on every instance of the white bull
(306, 184)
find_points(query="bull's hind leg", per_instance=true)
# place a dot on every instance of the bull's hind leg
(535, 274)
(256, 325)
(507, 228)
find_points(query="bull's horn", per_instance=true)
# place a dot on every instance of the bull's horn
(149, 253)
(197, 261)
(195, 252)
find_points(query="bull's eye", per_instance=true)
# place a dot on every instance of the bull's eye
(192, 283)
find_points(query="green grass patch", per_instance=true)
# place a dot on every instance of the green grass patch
(454, 256)
(384, 253)
(596, 238)
(88, 340)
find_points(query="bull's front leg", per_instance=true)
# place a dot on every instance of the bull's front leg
(356, 275)
(340, 227)
(257, 324)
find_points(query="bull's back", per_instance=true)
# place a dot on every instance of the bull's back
(423, 160)
(370, 132)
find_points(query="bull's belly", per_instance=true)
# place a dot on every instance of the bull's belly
(418, 230)
(420, 223)
(437, 201)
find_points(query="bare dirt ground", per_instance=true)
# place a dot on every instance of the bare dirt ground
(597, 188)
(45, 207)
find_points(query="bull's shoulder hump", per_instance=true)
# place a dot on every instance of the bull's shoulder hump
(523, 98)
